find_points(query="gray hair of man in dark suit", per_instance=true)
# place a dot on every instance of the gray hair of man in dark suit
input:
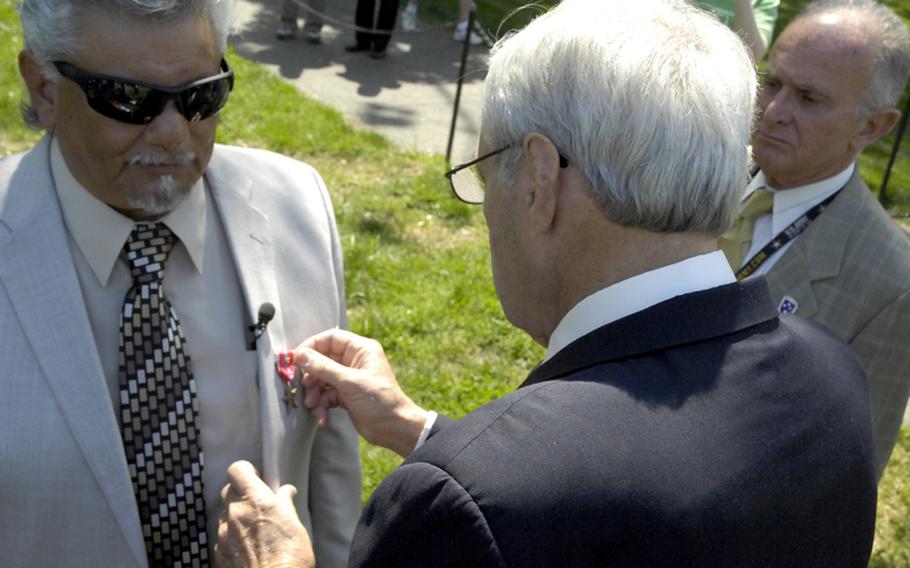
(657, 128)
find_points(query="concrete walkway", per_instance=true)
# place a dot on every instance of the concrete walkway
(407, 97)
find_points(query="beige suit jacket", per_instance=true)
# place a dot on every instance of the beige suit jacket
(850, 271)
(65, 492)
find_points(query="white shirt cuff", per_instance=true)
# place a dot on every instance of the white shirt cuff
(427, 426)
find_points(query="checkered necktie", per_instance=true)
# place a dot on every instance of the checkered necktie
(159, 411)
(738, 241)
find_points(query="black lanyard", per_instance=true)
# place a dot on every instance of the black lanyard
(784, 237)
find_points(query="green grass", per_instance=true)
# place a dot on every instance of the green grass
(417, 260)
(892, 531)
(14, 135)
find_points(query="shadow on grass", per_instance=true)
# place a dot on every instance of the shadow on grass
(385, 231)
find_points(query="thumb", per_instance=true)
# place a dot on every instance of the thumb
(286, 494)
(318, 367)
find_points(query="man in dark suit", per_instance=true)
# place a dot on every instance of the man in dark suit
(834, 80)
(677, 420)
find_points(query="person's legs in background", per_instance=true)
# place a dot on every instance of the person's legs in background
(409, 20)
(287, 26)
(388, 13)
(461, 28)
(363, 19)
(409, 16)
(312, 29)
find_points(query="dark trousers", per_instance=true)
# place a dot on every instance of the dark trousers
(363, 17)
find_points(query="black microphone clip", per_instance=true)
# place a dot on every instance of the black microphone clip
(266, 313)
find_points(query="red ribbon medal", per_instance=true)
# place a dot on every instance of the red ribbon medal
(288, 373)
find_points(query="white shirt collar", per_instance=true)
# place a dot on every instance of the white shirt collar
(789, 204)
(100, 231)
(639, 293)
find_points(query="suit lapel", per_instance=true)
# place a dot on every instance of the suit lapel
(684, 319)
(37, 272)
(250, 240)
(817, 253)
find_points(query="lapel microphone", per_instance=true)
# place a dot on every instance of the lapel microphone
(266, 313)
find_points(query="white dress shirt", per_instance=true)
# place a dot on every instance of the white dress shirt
(630, 296)
(201, 282)
(639, 293)
(789, 205)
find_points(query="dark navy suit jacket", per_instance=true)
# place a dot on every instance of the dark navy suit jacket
(703, 431)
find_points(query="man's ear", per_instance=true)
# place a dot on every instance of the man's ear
(543, 168)
(875, 126)
(42, 93)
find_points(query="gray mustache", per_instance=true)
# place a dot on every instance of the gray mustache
(158, 159)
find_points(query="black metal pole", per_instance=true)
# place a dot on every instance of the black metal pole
(461, 73)
(882, 193)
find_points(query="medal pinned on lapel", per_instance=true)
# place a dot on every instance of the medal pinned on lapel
(288, 373)
(788, 305)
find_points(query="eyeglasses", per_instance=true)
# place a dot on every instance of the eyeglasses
(466, 183)
(137, 102)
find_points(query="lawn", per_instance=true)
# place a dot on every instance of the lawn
(417, 261)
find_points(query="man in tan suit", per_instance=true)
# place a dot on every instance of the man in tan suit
(129, 95)
(809, 222)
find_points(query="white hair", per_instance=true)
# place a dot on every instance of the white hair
(653, 100)
(51, 27)
(889, 45)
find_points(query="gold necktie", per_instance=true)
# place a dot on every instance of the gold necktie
(736, 242)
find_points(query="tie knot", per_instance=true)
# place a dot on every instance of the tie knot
(146, 250)
(760, 202)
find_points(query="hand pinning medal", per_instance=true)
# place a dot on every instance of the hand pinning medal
(288, 373)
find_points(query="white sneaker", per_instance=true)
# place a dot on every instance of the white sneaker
(312, 35)
(287, 29)
(461, 30)
(409, 18)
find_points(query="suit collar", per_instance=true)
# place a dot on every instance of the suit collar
(248, 234)
(37, 271)
(250, 238)
(684, 319)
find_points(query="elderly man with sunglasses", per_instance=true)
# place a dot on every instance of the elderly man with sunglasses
(147, 277)
(677, 419)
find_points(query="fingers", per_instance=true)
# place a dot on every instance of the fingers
(243, 478)
(341, 345)
(260, 527)
(319, 401)
(318, 367)
(286, 494)
(332, 342)
(311, 393)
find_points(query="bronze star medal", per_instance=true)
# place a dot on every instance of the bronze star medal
(288, 373)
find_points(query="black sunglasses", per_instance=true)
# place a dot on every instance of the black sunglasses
(136, 102)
